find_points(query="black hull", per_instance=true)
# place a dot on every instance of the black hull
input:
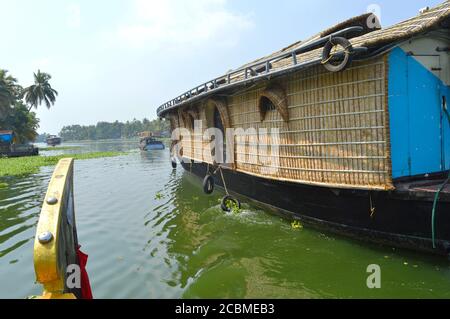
(54, 141)
(34, 152)
(402, 218)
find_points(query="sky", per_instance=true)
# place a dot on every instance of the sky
(120, 59)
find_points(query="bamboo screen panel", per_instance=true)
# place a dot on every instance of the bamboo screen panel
(195, 146)
(337, 131)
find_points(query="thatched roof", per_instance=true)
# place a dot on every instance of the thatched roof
(283, 61)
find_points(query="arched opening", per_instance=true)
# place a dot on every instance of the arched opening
(216, 114)
(271, 99)
(222, 109)
(189, 121)
(188, 145)
(189, 139)
(267, 105)
(218, 121)
(191, 116)
(174, 124)
(173, 121)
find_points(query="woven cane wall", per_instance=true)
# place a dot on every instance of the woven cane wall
(337, 133)
(194, 145)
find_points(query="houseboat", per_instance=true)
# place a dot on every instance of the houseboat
(149, 142)
(359, 131)
(53, 140)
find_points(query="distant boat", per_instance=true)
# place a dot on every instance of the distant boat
(53, 140)
(151, 144)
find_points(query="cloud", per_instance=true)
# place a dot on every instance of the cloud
(179, 22)
(74, 16)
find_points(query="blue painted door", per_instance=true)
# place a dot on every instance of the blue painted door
(425, 116)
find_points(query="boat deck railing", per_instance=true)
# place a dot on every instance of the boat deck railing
(261, 68)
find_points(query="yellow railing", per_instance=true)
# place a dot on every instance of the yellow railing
(56, 237)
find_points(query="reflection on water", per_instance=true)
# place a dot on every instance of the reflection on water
(20, 205)
(151, 233)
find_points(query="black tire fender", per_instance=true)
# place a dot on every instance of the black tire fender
(173, 162)
(208, 184)
(227, 198)
(348, 55)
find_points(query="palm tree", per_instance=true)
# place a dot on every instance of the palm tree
(5, 98)
(9, 92)
(40, 91)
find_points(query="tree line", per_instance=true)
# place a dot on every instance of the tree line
(114, 130)
(16, 103)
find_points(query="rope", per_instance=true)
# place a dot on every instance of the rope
(331, 54)
(223, 181)
(436, 198)
(335, 49)
(372, 208)
(433, 213)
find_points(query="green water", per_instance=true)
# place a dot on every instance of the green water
(151, 233)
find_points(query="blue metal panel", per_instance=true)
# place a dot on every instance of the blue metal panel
(399, 112)
(7, 138)
(424, 120)
(419, 137)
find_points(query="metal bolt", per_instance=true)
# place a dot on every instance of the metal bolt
(45, 237)
(52, 200)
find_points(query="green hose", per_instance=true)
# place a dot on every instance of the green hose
(436, 197)
(433, 214)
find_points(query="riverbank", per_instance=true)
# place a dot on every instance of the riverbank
(29, 165)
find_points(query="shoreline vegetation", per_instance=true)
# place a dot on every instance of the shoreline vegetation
(134, 139)
(113, 130)
(20, 166)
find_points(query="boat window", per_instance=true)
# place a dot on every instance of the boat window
(273, 99)
(267, 105)
(192, 121)
(218, 120)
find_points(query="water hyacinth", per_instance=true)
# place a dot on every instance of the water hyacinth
(29, 165)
